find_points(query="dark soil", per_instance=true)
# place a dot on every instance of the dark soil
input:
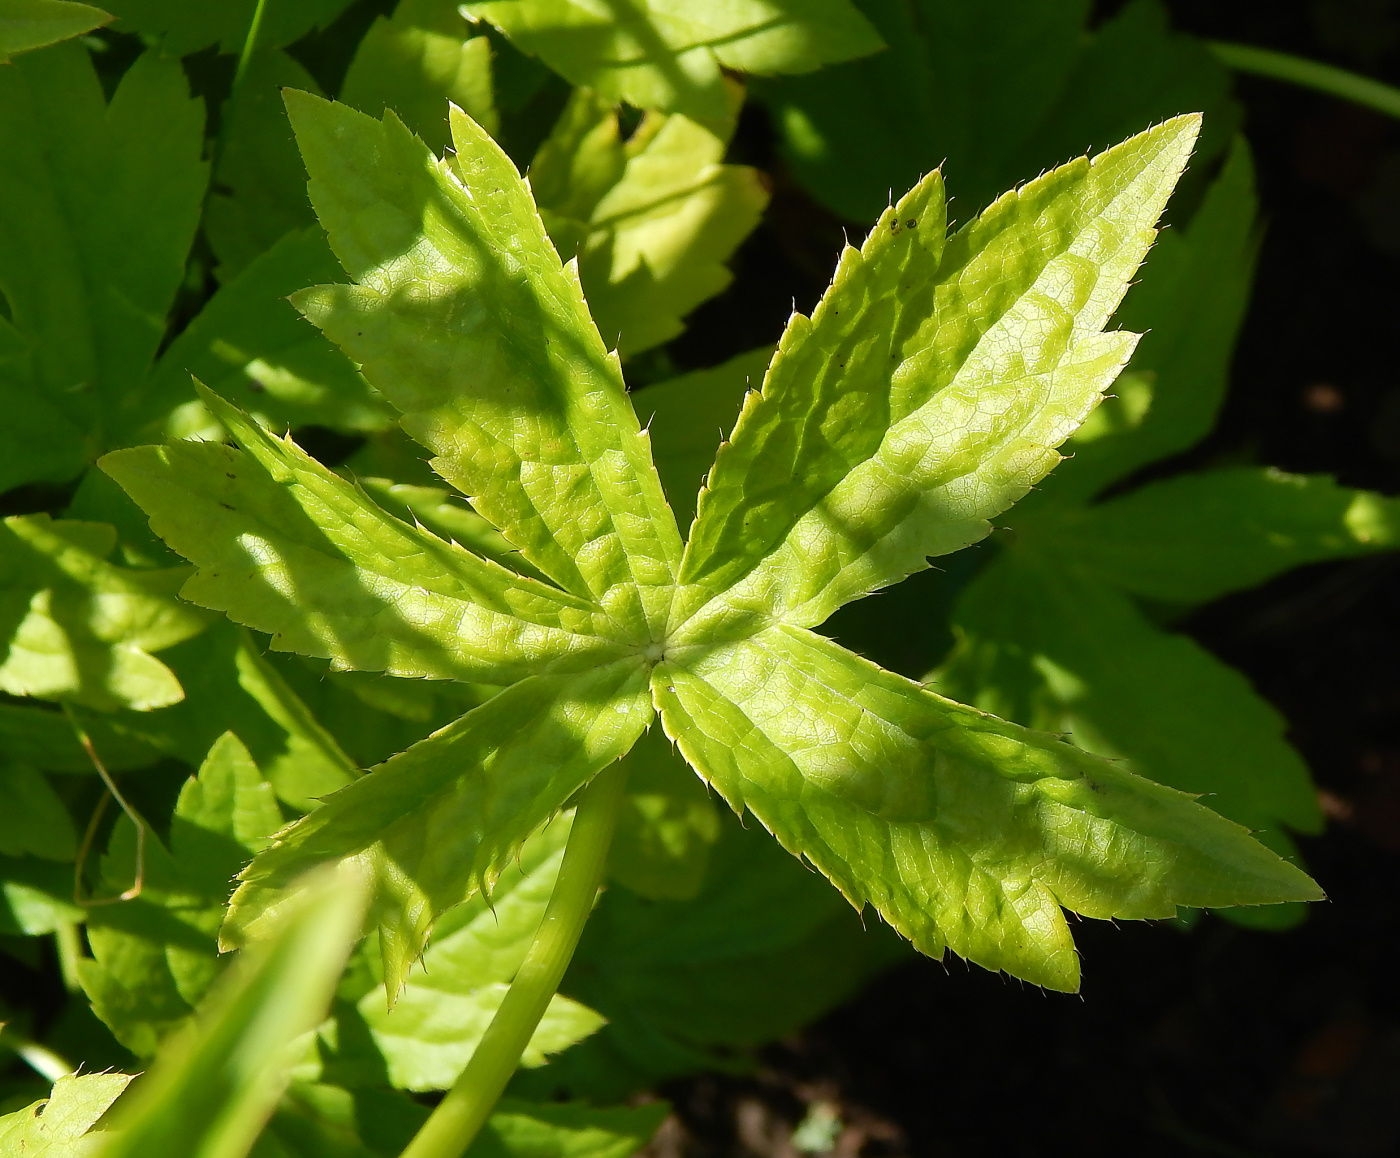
(1214, 1040)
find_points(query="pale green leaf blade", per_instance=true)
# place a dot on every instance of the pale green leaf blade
(652, 221)
(1190, 301)
(93, 242)
(567, 1130)
(1064, 654)
(658, 54)
(79, 628)
(416, 62)
(30, 24)
(666, 826)
(214, 1086)
(250, 346)
(33, 818)
(155, 956)
(930, 388)
(688, 417)
(286, 546)
(440, 822)
(451, 995)
(1196, 537)
(962, 830)
(57, 1126)
(184, 27)
(545, 444)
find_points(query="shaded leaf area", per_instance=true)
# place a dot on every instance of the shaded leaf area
(317, 1119)
(995, 91)
(33, 818)
(57, 1126)
(929, 390)
(79, 628)
(29, 24)
(433, 260)
(441, 821)
(183, 28)
(656, 55)
(687, 985)
(154, 957)
(651, 219)
(450, 996)
(963, 831)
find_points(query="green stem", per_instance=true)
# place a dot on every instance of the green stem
(70, 952)
(250, 42)
(1297, 70)
(462, 1113)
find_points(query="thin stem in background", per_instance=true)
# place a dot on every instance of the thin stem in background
(462, 1113)
(1361, 90)
(250, 43)
(140, 877)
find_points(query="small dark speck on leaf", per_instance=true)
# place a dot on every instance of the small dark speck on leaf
(226, 506)
(228, 475)
(256, 386)
(911, 223)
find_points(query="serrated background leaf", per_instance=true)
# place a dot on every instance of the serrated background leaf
(57, 1126)
(30, 24)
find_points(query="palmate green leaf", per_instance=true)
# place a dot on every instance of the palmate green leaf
(288, 547)
(418, 60)
(30, 24)
(442, 820)
(457, 285)
(57, 1126)
(963, 831)
(929, 389)
(184, 27)
(154, 957)
(79, 628)
(661, 54)
(98, 205)
(214, 1085)
(651, 220)
(995, 91)
(450, 996)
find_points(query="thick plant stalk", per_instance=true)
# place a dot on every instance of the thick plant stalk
(1361, 90)
(462, 1113)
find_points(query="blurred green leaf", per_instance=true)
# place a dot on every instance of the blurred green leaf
(689, 417)
(996, 91)
(450, 996)
(32, 817)
(659, 55)
(155, 956)
(57, 1126)
(98, 205)
(80, 628)
(415, 62)
(652, 219)
(30, 24)
(183, 27)
(214, 1085)
(666, 826)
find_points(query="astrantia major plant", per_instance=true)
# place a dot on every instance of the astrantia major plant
(924, 396)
